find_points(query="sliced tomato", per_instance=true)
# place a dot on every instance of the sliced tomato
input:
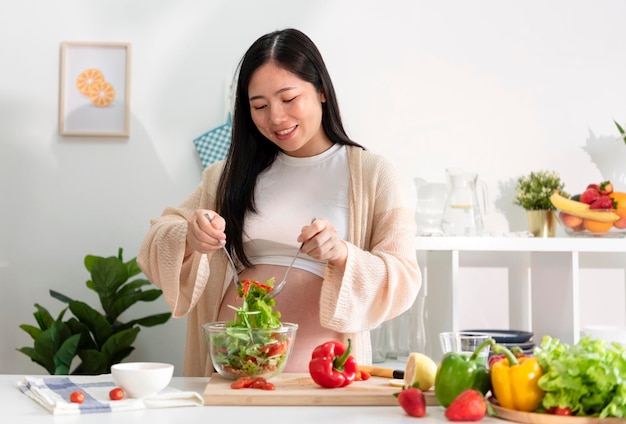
(241, 383)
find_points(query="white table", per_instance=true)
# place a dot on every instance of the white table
(18, 408)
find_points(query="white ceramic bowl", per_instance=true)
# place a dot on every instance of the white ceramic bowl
(608, 333)
(141, 379)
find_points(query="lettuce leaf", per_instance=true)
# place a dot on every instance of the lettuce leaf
(588, 377)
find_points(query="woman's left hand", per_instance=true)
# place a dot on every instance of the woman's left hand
(322, 242)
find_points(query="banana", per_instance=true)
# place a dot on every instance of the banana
(581, 209)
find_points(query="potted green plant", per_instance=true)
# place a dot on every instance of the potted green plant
(98, 339)
(533, 193)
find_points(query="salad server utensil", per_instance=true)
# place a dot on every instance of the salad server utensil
(230, 259)
(277, 289)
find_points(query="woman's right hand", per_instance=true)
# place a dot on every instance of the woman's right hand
(205, 236)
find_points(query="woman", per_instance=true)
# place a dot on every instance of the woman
(290, 161)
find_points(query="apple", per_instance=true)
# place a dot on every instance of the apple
(570, 221)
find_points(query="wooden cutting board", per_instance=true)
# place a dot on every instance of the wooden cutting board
(299, 389)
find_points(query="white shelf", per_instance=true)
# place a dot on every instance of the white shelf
(522, 244)
(543, 279)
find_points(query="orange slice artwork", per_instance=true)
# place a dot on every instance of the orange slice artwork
(101, 93)
(87, 78)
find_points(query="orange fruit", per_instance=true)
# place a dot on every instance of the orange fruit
(87, 78)
(597, 226)
(620, 198)
(101, 93)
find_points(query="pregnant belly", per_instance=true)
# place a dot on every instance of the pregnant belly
(297, 303)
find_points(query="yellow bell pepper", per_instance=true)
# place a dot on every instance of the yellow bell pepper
(514, 381)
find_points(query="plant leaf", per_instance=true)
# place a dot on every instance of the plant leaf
(122, 303)
(132, 267)
(94, 320)
(43, 317)
(59, 296)
(108, 275)
(93, 362)
(120, 355)
(119, 342)
(621, 130)
(90, 260)
(65, 354)
(77, 327)
(31, 330)
(149, 321)
(133, 286)
(34, 356)
(48, 343)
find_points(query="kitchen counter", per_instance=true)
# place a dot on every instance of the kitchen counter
(18, 408)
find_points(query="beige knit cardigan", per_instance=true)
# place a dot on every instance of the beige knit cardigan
(380, 281)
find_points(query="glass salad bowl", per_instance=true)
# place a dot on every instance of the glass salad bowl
(255, 352)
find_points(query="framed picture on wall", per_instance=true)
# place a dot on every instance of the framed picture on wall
(95, 94)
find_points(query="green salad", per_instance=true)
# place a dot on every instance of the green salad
(588, 377)
(256, 342)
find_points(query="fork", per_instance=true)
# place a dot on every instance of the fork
(230, 259)
(276, 291)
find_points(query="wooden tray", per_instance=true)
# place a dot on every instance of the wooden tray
(536, 418)
(299, 389)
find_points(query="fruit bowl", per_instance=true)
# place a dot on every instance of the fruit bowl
(580, 224)
(254, 352)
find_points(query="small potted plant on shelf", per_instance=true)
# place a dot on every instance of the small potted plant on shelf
(533, 193)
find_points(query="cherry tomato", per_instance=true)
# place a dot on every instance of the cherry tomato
(116, 394)
(77, 397)
(562, 411)
(268, 386)
(557, 410)
(258, 383)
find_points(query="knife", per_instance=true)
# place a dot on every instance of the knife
(382, 371)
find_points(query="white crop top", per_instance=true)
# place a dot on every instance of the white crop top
(288, 195)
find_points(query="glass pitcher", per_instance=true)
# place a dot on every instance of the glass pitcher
(430, 203)
(465, 205)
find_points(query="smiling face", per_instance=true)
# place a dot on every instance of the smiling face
(287, 111)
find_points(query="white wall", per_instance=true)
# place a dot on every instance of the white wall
(498, 87)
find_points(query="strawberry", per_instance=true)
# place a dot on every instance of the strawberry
(413, 401)
(606, 187)
(590, 195)
(602, 202)
(469, 405)
(594, 186)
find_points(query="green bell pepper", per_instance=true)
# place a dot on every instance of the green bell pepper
(458, 372)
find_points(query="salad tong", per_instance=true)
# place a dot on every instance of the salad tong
(230, 259)
(277, 289)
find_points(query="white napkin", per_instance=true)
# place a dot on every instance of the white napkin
(53, 394)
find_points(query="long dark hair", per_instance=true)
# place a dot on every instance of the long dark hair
(250, 152)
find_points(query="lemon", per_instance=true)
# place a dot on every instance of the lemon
(420, 369)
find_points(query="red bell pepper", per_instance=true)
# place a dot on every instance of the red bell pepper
(332, 365)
